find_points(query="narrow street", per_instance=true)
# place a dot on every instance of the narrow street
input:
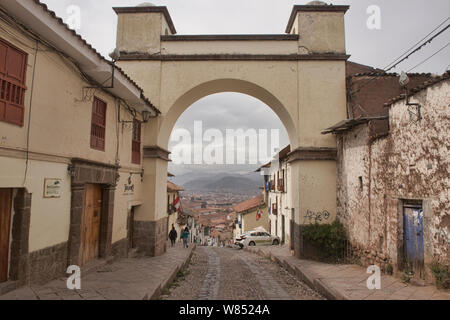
(232, 274)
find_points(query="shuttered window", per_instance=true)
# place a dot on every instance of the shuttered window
(13, 66)
(98, 124)
(136, 143)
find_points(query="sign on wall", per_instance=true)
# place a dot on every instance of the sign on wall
(52, 188)
(128, 187)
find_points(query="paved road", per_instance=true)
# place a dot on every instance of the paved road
(232, 274)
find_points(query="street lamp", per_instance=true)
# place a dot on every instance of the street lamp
(146, 116)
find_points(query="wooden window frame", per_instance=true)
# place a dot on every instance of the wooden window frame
(275, 207)
(12, 90)
(136, 140)
(98, 128)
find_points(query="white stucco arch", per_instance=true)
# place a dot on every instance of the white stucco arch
(300, 75)
(220, 86)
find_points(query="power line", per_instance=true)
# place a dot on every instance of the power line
(429, 57)
(395, 63)
(420, 47)
(407, 51)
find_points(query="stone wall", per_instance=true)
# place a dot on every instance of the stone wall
(150, 237)
(119, 249)
(377, 175)
(48, 264)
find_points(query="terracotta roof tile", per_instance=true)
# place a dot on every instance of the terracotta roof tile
(249, 204)
(172, 187)
(90, 47)
(419, 88)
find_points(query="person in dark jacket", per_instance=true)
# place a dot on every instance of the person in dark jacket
(185, 237)
(173, 235)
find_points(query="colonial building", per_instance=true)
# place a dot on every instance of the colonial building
(277, 178)
(251, 214)
(173, 196)
(393, 185)
(70, 148)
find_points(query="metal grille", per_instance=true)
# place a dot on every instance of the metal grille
(98, 126)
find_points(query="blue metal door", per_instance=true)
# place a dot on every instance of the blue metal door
(413, 239)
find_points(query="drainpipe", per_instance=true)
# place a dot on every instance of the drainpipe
(370, 188)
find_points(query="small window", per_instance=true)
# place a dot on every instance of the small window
(13, 67)
(98, 125)
(136, 143)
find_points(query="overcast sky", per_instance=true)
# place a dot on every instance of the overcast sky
(403, 24)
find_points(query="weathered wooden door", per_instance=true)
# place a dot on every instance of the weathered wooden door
(283, 229)
(5, 227)
(413, 238)
(91, 223)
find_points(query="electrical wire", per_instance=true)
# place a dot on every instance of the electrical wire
(72, 63)
(407, 51)
(395, 63)
(420, 47)
(29, 114)
(429, 57)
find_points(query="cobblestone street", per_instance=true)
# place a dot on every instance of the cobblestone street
(232, 274)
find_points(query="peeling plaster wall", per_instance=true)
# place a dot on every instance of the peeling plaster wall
(412, 163)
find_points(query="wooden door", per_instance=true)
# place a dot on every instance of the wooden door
(5, 227)
(91, 223)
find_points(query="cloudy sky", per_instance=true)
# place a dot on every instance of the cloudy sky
(403, 24)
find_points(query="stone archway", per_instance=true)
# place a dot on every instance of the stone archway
(300, 75)
(221, 86)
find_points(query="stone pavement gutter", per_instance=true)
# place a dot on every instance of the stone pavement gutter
(140, 278)
(346, 282)
(173, 275)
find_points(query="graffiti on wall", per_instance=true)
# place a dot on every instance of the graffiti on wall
(316, 217)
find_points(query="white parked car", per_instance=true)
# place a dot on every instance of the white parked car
(257, 238)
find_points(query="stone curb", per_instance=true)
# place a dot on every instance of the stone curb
(158, 291)
(307, 276)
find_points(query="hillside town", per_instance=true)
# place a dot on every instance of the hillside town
(87, 193)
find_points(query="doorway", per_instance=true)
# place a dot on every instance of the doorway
(283, 229)
(5, 228)
(131, 244)
(91, 223)
(413, 238)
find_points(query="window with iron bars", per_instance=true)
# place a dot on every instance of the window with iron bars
(98, 125)
(136, 143)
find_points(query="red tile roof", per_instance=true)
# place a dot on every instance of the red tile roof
(172, 187)
(90, 47)
(249, 204)
(419, 88)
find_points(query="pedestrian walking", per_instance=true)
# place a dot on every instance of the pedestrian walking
(173, 235)
(185, 237)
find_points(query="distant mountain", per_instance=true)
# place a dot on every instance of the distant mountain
(223, 182)
(233, 183)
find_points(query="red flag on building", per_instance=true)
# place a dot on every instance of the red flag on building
(258, 214)
(177, 204)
